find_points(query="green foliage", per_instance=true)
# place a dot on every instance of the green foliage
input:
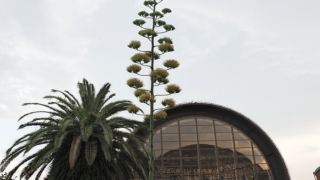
(148, 3)
(134, 44)
(139, 22)
(155, 55)
(157, 116)
(169, 102)
(171, 64)
(4, 176)
(86, 132)
(159, 72)
(91, 151)
(135, 83)
(140, 57)
(172, 88)
(134, 68)
(146, 118)
(146, 98)
(148, 33)
(160, 115)
(80, 140)
(165, 40)
(143, 14)
(169, 27)
(133, 108)
(156, 14)
(158, 76)
(166, 10)
(166, 47)
(139, 92)
(161, 23)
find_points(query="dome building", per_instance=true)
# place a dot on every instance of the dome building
(201, 141)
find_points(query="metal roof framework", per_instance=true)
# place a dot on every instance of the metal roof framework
(247, 126)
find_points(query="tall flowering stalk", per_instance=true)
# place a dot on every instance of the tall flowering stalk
(158, 76)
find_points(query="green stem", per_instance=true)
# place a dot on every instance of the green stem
(151, 159)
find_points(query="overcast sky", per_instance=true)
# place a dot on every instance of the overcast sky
(260, 58)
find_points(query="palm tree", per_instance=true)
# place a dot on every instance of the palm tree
(81, 140)
(3, 176)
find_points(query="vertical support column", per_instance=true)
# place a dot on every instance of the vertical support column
(236, 173)
(162, 167)
(255, 175)
(216, 149)
(180, 151)
(198, 149)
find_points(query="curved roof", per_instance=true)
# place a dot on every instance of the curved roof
(252, 130)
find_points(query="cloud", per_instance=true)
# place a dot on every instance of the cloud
(300, 150)
(290, 36)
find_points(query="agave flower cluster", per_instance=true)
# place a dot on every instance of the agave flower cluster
(80, 139)
(158, 76)
(147, 58)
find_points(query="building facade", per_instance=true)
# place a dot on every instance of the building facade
(201, 141)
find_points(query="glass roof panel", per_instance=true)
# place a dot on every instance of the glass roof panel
(170, 137)
(204, 121)
(205, 129)
(223, 128)
(170, 129)
(188, 122)
(188, 137)
(211, 144)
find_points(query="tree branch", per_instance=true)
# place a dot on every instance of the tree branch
(141, 50)
(158, 84)
(143, 27)
(141, 74)
(158, 109)
(144, 65)
(150, 8)
(162, 32)
(140, 114)
(161, 95)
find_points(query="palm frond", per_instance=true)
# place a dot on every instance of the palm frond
(107, 99)
(44, 166)
(114, 108)
(107, 133)
(34, 112)
(44, 105)
(58, 139)
(19, 141)
(45, 119)
(86, 132)
(69, 96)
(100, 97)
(104, 148)
(41, 124)
(7, 160)
(75, 99)
(91, 151)
(34, 137)
(11, 173)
